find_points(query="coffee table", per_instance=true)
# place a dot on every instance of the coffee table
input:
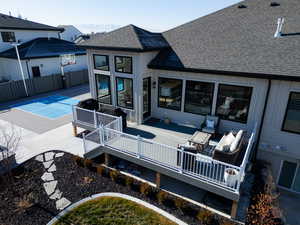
(200, 140)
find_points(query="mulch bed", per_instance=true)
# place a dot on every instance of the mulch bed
(71, 181)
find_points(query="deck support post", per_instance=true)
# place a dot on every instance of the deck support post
(157, 180)
(75, 130)
(106, 159)
(234, 209)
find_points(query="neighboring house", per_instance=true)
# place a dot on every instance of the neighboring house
(16, 30)
(70, 33)
(82, 38)
(40, 48)
(41, 57)
(227, 64)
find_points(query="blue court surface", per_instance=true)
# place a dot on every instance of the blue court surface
(51, 107)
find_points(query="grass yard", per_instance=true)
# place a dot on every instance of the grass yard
(113, 210)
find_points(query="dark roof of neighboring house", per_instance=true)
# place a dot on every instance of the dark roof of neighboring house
(237, 41)
(43, 48)
(128, 38)
(14, 23)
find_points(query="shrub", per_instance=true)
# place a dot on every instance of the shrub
(205, 216)
(262, 211)
(114, 175)
(180, 203)
(100, 170)
(226, 222)
(88, 164)
(145, 189)
(129, 181)
(79, 161)
(162, 196)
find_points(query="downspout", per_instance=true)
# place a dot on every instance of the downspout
(262, 120)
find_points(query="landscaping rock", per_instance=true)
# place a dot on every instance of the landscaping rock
(56, 195)
(52, 168)
(39, 158)
(47, 177)
(59, 154)
(49, 156)
(50, 187)
(48, 164)
(62, 203)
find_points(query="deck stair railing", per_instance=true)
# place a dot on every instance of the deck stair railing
(196, 166)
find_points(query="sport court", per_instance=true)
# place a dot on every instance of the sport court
(45, 112)
(51, 107)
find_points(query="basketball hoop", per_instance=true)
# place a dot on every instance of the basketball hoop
(68, 59)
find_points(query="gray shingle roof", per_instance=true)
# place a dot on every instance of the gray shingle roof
(237, 39)
(129, 38)
(43, 48)
(10, 22)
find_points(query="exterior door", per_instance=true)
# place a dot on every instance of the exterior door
(146, 97)
(36, 71)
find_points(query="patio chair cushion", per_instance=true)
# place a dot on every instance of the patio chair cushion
(236, 141)
(210, 124)
(225, 141)
(187, 146)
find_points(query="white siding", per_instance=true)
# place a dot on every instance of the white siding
(276, 144)
(48, 66)
(26, 35)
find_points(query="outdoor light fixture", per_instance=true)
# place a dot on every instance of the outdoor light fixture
(154, 84)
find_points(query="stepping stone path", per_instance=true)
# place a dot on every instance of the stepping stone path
(50, 184)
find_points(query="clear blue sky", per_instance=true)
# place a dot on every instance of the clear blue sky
(150, 14)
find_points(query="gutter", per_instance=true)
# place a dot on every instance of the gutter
(229, 73)
(121, 48)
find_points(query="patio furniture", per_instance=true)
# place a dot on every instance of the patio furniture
(93, 104)
(210, 125)
(229, 148)
(200, 140)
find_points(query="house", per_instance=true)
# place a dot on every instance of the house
(40, 57)
(40, 47)
(17, 30)
(240, 64)
(70, 33)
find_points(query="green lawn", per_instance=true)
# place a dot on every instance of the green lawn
(112, 210)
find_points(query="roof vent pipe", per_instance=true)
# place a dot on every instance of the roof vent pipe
(280, 22)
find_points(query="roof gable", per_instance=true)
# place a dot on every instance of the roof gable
(129, 38)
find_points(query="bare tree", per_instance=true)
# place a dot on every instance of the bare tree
(10, 138)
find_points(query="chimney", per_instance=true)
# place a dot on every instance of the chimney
(278, 33)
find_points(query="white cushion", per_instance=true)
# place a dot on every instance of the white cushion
(210, 124)
(225, 141)
(236, 142)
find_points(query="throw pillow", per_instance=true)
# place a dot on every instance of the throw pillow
(210, 124)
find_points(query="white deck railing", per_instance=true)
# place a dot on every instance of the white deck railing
(196, 166)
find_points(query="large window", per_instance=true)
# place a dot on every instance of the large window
(124, 92)
(169, 93)
(233, 102)
(101, 62)
(8, 36)
(198, 97)
(123, 64)
(291, 122)
(103, 88)
(290, 176)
